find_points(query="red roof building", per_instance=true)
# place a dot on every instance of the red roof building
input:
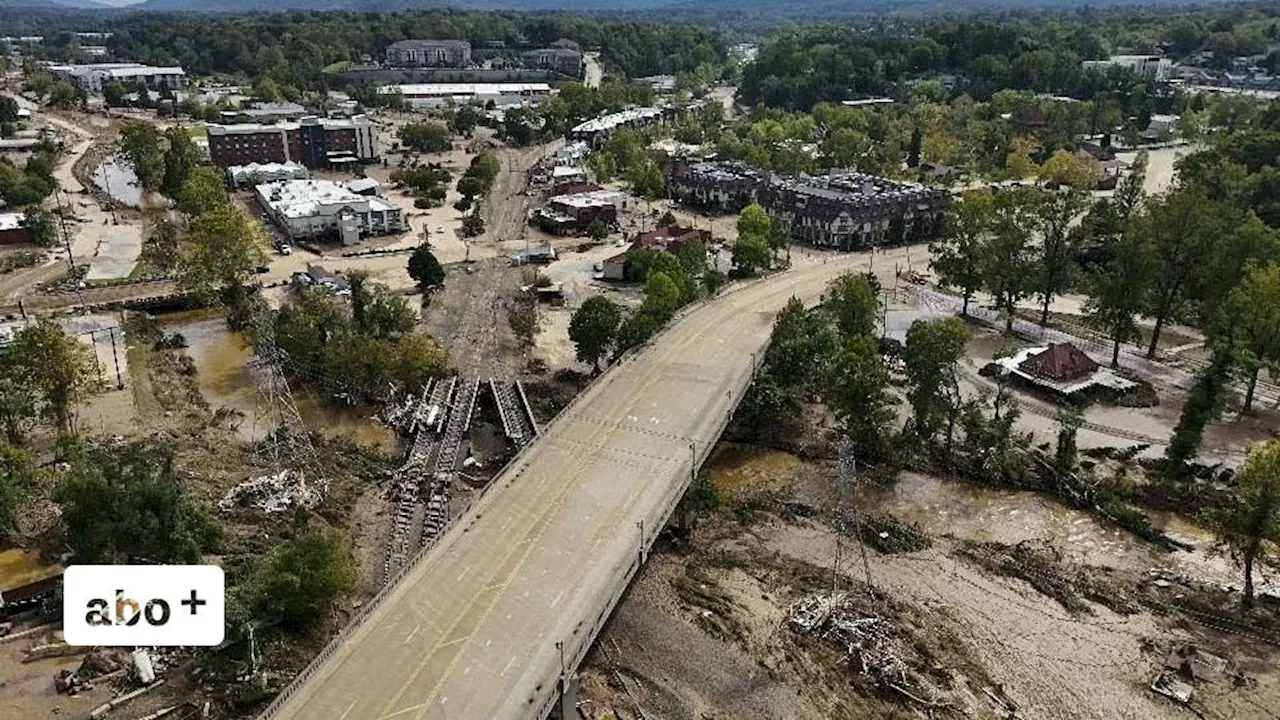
(1061, 362)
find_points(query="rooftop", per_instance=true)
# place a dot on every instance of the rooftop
(453, 89)
(11, 221)
(596, 198)
(608, 122)
(307, 198)
(254, 128)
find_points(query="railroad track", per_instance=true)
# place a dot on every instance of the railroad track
(410, 508)
(513, 409)
(440, 480)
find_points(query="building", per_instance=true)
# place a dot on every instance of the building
(571, 213)
(313, 142)
(322, 208)
(670, 238)
(315, 276)
(1153, 67)
(566, 61)
(842, 210)
(1162, 128)
(724, 187)
(429, 53)
(255, 173)
(95, 76)
(426, 95)
(13, 229)
(1063, 369)
(263, 112)
(596, 132)
(851, 210)
(661, 84)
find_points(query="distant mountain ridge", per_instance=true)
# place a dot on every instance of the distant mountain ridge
(782, 8)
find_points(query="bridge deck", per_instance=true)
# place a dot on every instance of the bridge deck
(471, 631)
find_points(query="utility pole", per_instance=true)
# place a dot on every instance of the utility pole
(66, 237)
(111, 201)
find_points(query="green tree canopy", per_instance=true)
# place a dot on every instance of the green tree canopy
(594, 327)
(56, 368)
(425, 269)
(301, 580)
(852, 301)
(1250, 529)
(932, 352)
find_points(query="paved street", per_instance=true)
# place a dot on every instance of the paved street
(472, 630)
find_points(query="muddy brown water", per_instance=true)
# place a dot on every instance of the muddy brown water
(226, 379)
(984, 514)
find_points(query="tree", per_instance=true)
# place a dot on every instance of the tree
(58, 370)
(1254, 306)
(302, 579)
(662, 295)
(113, 94)
(140, 143)
(126, 504)
(597, 230)
(1183, 228)
(931, 353)
(473, 225)
(222, 249)
(426, 137)
(202, 190)
(754, 222)
(594, 328)
(852, 301)
(1250, 527)
(425, 269)
(957, 256)
(1059, 243)
(17, 403)
(181, 157)
(40, 225)
(857, 391)
(17, 477)
(1117, 290)
(376, 311)
(1203, 406)
(523, 318)
(1007, 260)
(8, 109)
(751, 254)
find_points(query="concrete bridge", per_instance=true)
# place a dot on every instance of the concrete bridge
(492, 621)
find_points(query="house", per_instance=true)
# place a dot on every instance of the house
(315, 276)
(13, 229)
(571, 214)
(717, 186)
(670, 238)
(534, 256)
(429, 53)
(365, 186)
(1162, 128)
(1153, 67)
(615, 268)
(851, 210)
(1063, 369)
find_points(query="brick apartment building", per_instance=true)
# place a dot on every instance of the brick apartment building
(313, 142)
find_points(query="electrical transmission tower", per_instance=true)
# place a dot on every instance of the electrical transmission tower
(848, 480)
(287, 444)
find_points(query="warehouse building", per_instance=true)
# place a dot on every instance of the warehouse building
(324, 209)
(314, 142)
(428, 95)
(258, 173)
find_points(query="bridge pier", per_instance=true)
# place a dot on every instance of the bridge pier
(567, 707)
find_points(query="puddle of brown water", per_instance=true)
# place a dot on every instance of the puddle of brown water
(225, 379)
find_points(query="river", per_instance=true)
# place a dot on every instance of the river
(984, 514)
(226, 379)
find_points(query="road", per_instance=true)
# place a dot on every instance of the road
(471, 631)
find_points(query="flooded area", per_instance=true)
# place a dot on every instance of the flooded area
(116, 178)
(983, 514)
(226, 380)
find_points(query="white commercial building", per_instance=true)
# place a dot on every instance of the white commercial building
(316, 208)
(437, 94)
(258, 173)
(1154, 67)
(95, 76)
(598, 130)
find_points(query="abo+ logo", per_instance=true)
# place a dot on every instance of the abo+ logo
(143, 605)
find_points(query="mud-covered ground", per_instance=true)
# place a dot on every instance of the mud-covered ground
(1004, 614)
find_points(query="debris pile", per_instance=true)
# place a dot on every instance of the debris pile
(869, 642)
(889, 535)
(100, 664)
(274, 493)
(1186, 666)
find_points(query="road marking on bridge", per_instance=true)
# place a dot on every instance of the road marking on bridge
(415, 632)
(401, 712)
(348, 710)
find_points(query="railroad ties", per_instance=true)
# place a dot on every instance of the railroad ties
(440, 481)
(513, 409)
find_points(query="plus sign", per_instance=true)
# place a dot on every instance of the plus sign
(194, 602)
